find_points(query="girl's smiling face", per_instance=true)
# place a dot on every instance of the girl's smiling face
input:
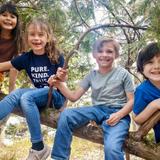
(8, 21)
(37, 39)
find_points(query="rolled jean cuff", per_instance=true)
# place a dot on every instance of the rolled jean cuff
(37, 140)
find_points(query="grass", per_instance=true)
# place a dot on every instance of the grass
(80, 149)
(17, 151)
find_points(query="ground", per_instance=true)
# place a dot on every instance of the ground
(16, 143)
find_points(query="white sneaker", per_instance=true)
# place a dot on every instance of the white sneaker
(39, 155)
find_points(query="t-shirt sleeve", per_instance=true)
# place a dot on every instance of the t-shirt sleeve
(85, 83)
(19, 62)
(140, 101)
(128, 82)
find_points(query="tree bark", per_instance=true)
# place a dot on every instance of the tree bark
(141, 148)
(146, 127)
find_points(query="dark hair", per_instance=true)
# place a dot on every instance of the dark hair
(99, 44)
(11, 8)
(146, 54)
(51, 50)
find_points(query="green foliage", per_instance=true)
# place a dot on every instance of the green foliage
(79, 66)
(155, 23)
(71, 18)
(87, 43)
(150, 137)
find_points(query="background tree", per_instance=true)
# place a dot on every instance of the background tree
(77, 24)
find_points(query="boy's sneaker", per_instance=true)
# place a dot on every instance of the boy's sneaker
(39, 155)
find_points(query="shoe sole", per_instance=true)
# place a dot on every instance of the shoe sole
(46, 155)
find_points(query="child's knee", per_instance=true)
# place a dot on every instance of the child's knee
(64, 114)
(26, 98)
(64, 117)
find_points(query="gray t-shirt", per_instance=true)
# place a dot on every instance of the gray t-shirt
(109, 89)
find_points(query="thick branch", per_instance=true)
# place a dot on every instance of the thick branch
(94, 134)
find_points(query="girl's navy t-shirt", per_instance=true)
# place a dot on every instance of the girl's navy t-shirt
(38, 67)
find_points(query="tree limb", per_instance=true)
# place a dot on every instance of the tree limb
(143, 149)
(146, 127)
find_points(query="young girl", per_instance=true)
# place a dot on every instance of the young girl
(40, 63)
(147, 94)
(10, 43)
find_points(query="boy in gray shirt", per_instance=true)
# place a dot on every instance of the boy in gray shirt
(112, 98)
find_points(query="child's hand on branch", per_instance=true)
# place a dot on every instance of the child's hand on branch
(53, 80)
(61, 74)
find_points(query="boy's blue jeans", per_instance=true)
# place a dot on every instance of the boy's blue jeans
(30, 100)
(70, 119)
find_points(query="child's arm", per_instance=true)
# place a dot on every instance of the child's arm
(5, 66)
(59, 83)
(71, 95)
(115, 117)
(151, 108)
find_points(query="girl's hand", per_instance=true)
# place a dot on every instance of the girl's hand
(53, 81)
(113, 119)
(61, 74)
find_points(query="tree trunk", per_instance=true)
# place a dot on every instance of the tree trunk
(133, 145)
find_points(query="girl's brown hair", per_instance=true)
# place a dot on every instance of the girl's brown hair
(50, 49)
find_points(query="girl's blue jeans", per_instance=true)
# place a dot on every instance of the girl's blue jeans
(113, 136)
(30, 101)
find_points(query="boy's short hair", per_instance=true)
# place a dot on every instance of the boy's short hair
(100, 42)
(147, 54)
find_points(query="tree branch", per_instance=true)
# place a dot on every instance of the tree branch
(148, 151)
